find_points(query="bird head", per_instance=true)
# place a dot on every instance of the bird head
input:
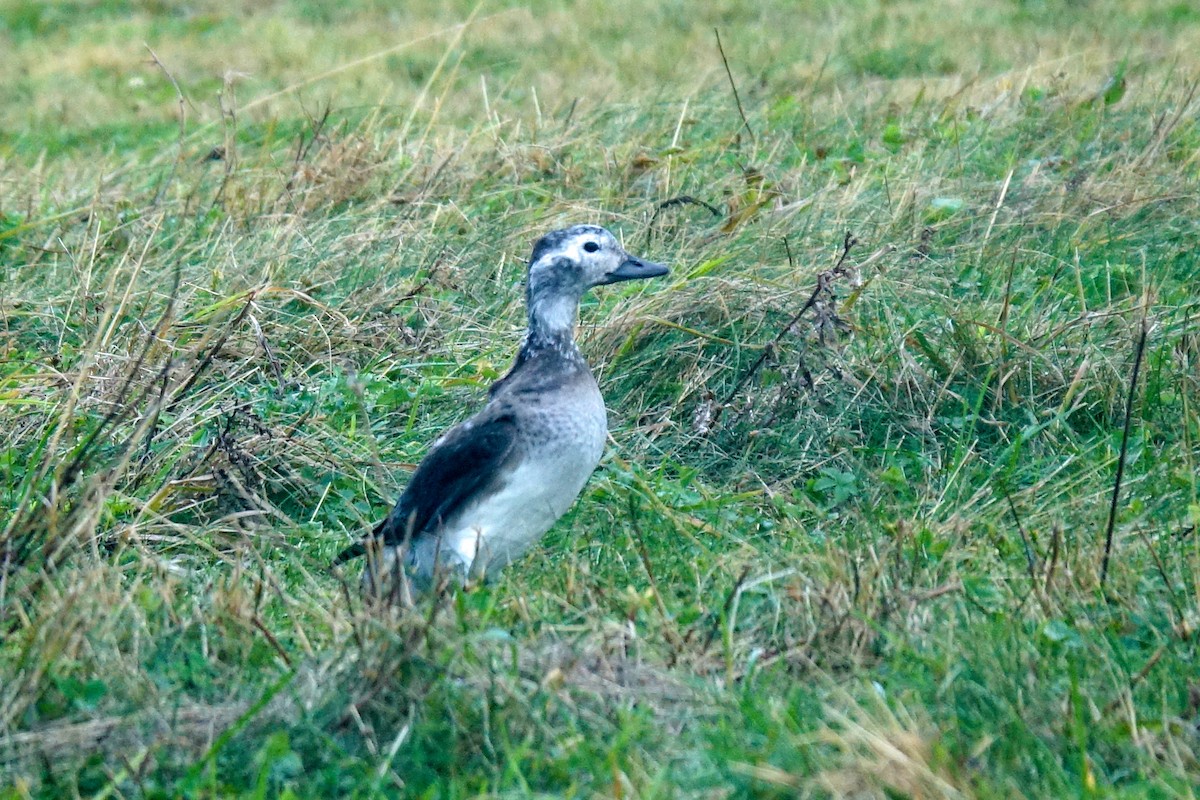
(573, 260)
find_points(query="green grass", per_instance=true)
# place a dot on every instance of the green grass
(872, 568)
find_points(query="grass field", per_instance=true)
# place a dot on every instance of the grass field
(935, 537)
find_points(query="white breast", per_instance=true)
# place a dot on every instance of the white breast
(489, 534)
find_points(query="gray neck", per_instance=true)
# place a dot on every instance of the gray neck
(552, 315)
(550, 340)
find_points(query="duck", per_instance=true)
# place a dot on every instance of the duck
(489, 488)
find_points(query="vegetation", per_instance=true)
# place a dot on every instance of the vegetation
(935, 536)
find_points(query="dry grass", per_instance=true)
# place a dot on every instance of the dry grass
(851, 554)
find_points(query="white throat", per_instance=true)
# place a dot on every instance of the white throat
(553, 316)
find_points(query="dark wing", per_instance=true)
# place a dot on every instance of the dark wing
(464, 464)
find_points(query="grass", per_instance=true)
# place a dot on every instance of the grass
(854, 554)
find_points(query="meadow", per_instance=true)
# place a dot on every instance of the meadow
(901, 494)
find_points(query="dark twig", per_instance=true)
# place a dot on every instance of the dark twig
(1137, 678)
(824, 279)
(1162, 574)
(726, 607)
(182, 124)
(272, 360)
(732, 84)
(262, 628)
(1030, 560)
(305, 147)
(1116, 492)
(15, 539)
(122, 407)
(55, 545)
(158, 332)
(570, 113)
(672, 636)
(178, 395)
(681, 200)
(317, 124)
(420, 288)
(1055, 546)
(164, 384)
(229, 122)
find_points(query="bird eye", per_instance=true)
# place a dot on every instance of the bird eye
(590, 247)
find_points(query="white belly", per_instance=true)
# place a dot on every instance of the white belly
(563, 441)
(501, 527)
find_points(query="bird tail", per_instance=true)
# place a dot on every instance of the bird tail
(359, 548)
(356, 550)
